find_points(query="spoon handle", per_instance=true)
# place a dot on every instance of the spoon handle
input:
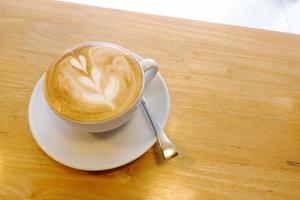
(167, 147)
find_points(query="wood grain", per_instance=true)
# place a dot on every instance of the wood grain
(235, 113)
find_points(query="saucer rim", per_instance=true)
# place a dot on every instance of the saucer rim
(96, 168)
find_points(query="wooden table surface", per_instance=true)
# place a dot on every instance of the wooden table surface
(235, 106)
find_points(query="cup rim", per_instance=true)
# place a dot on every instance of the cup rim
(132, 105)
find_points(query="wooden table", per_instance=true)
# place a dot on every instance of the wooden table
(235, 113)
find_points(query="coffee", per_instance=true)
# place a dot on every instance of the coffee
(93, 82)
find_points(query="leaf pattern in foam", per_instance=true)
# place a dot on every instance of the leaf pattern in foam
(96, 76)
(88, 83)
(83, 62)
(74, 62)
(97, 99)
(92, 84)
(111, 89)
(93, 98)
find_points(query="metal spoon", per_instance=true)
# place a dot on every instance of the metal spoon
(167, 147)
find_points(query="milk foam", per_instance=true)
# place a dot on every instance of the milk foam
(93, 83)
(92, 91)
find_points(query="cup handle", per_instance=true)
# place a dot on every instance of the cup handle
(150, 68)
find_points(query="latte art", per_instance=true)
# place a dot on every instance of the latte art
(93, 82)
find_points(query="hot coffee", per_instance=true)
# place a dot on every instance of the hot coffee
(93, 82)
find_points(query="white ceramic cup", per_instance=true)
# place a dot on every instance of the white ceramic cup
(149, 67)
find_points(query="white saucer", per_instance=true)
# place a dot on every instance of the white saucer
(101, 151)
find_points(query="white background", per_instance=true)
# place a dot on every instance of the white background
(276, 15)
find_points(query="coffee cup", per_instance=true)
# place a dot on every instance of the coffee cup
(97, 86)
